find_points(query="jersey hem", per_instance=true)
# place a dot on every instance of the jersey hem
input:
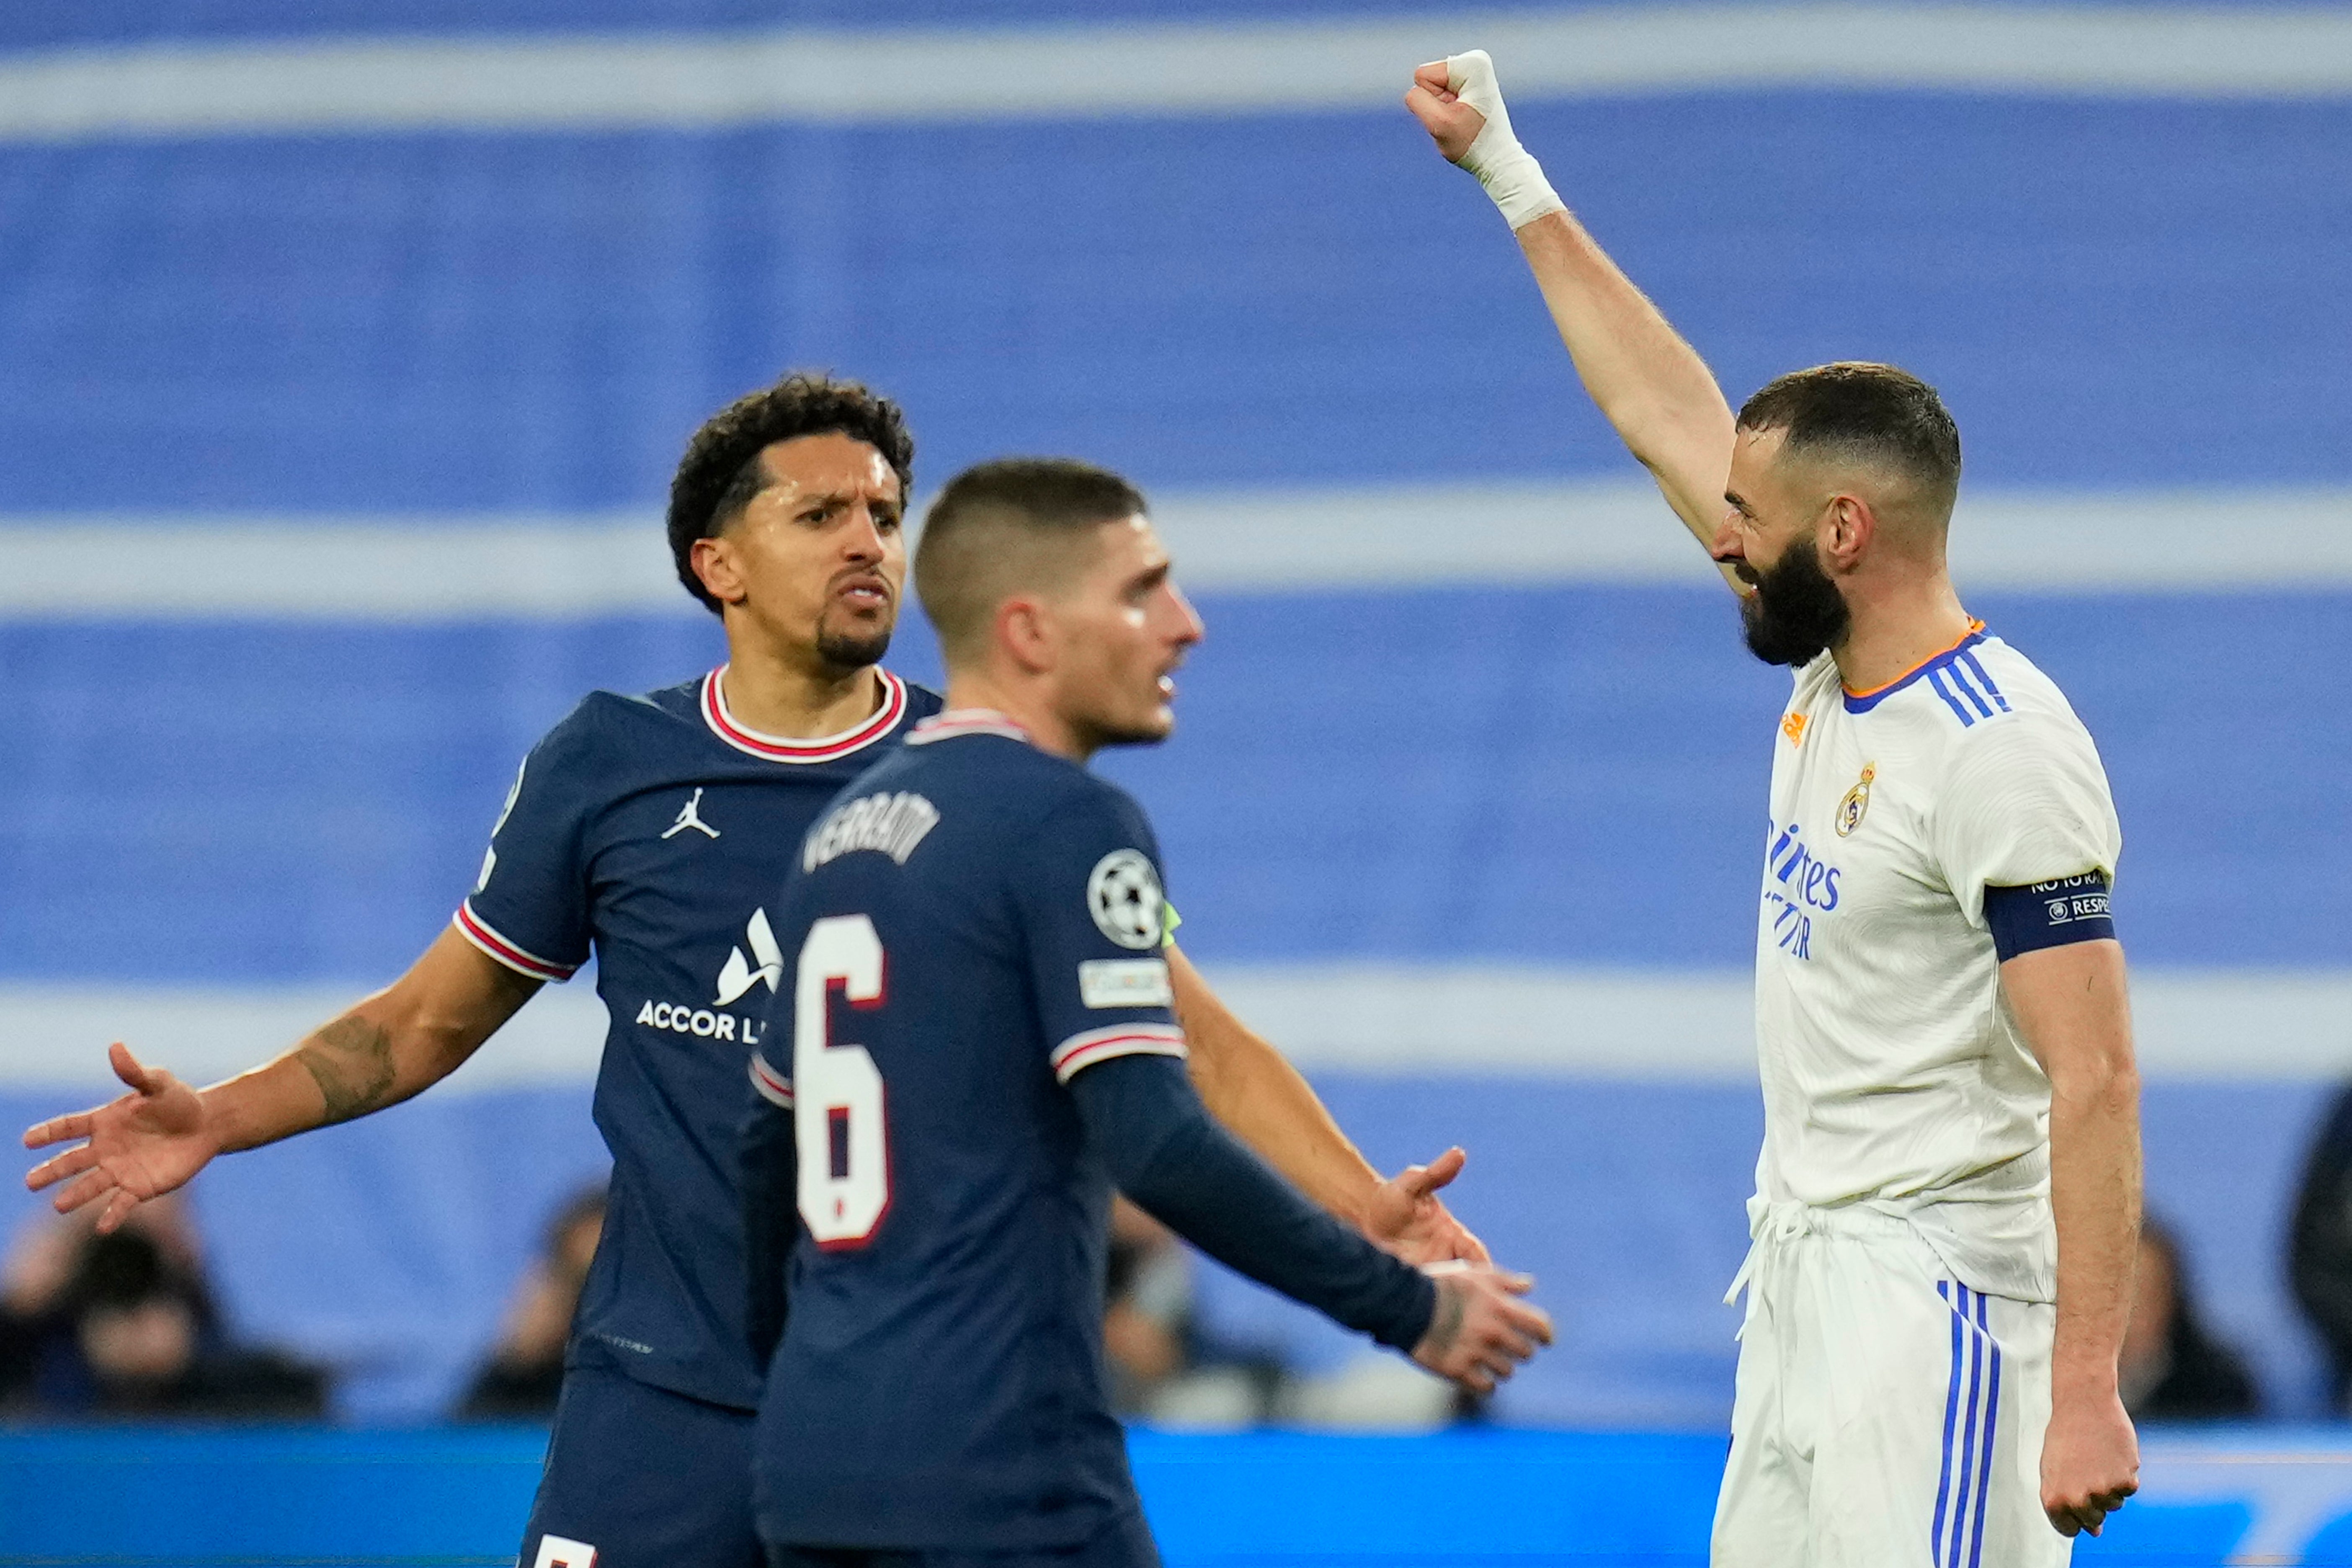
(1007, 1523)
(584, 1353)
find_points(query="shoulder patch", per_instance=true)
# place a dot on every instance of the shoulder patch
(1123, 895)
(1125, 982)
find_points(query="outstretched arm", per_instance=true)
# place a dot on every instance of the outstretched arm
(2071, 1005)
(1251, 1087)
(1650, 384)
(382, 1050)
(1164, 1152)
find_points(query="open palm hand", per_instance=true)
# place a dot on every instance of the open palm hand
(1408, 1219)
(135, 1147)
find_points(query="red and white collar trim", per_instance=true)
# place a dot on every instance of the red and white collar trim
(967, 721)
(777, 748)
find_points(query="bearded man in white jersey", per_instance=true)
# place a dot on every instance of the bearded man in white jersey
(1949, 1194)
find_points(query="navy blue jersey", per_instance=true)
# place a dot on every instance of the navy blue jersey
(974, 923)
(655, 830)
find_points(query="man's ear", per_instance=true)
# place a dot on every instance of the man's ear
(713, 560)
(1847, 528)
(1026, 631)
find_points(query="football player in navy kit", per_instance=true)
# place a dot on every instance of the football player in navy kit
(655, 830)
(975, 1042)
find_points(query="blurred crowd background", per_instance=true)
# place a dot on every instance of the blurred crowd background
(345, 350)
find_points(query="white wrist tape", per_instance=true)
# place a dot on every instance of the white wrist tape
(1508, 170)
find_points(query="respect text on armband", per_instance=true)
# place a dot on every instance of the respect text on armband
(2031, 916)
(2071, 898)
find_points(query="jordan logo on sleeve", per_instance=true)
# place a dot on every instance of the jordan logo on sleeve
(691, 816)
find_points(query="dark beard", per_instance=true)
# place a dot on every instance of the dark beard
(1796, 612)
(852, 650)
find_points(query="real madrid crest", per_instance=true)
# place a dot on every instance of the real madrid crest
(1856, 804)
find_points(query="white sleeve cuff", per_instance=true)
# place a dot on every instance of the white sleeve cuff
(1081, 1051)
(523, 962)
(773, 1087)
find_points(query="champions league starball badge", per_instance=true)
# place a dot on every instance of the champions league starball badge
(1123, 895)
(1856, 804)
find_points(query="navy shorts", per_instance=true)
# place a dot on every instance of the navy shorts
(1124, 1543)
(638, 1476)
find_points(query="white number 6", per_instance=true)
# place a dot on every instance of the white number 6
(838, 1122)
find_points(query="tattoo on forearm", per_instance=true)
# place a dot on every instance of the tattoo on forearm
(350, 1061)
(1445, 1323)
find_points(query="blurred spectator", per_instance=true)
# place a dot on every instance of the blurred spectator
(2171, 1369)
(1147, 1317)
(124, 1325)
(1170, 1369)
(526, 1369)
(2320, 1254)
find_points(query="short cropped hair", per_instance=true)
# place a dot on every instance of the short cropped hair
(1001, 527)
(722, 470)
(1873, 414)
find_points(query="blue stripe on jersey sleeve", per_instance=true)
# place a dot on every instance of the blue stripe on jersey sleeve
(1935, 680)
(1977, 668)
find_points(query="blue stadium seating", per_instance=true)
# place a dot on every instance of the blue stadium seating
(2120, 294)
(1580, 782)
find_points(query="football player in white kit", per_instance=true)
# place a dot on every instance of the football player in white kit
(1948, 1199)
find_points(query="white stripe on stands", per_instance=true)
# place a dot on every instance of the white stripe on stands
(575, 82)
(452, 569)
(57, 1035)
(1622, 531)
(1401, 1020)
(1407, 1020)
(354, 569)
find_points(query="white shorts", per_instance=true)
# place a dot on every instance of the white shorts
(1886, 1416)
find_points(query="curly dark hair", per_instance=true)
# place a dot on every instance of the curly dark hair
(721, 469)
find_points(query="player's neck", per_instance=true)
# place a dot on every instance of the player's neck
(797, 699)
(1896, 627)
(1047, 729)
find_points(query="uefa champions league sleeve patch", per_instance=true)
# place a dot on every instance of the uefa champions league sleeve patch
(1123, 896)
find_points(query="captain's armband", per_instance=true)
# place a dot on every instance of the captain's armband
(2049, 914)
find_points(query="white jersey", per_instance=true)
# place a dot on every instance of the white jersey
(1894, 1073)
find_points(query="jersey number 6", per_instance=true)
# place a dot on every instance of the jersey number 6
(838, 1123)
